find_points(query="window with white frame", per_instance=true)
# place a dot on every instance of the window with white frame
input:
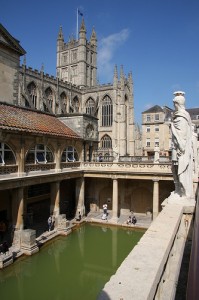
(157, 117)
(148, 143)
(69, 154)
(156, 142)
(148, 118)
(7, 156)
(148, 129)
(156, 128)
(40, 154)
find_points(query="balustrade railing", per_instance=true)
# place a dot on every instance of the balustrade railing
(39, 167)
(8, 169)
(136, 167)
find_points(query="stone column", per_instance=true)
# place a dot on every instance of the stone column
(17, 215)
(58, 159)
(155, 198)
(54, 200)
(18, 208)
(115, 199)
(80, 186)
(21, 159)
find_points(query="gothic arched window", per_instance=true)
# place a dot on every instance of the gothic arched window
(76, 104)
(106, 142)
(49, 96)
(107, 111)
(63, 99)
(33, 93)
(90, 105)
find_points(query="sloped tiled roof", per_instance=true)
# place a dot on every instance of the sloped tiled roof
(31, 121)
(153, 109)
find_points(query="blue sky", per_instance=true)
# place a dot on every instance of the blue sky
(156, 40)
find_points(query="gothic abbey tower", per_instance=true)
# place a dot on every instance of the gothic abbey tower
(77, 60)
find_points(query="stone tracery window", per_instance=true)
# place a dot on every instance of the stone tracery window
(90, 105)
(75, 104)
(49, 96)
(107, 111)
(63, 99)
(106, 142)
(32, 90)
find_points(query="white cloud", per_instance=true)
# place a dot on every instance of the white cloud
(107, 48)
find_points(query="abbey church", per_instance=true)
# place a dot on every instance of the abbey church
(108, 129)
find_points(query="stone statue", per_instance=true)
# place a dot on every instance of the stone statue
(156, 155)
(182, 152)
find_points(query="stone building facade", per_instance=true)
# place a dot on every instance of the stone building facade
(156, 134)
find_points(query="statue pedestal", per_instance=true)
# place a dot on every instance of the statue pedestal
(28, 242)
(187, 203)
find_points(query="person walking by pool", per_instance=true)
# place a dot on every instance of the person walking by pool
(79, 217)
(50, 223)
(105, 208)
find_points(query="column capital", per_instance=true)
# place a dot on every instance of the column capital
(155, 179)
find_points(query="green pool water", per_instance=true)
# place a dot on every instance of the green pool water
(69, 268)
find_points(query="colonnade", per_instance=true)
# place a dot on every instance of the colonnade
(19, 205)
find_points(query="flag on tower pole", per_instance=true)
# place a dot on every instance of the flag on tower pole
(79, 13)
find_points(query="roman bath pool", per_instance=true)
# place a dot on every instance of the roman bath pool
(69, 268)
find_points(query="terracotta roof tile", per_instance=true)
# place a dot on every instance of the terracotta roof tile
(27, 120)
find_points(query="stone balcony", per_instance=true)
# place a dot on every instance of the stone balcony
(134, 170)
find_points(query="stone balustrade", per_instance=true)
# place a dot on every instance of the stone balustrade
(131, 167)
(135, 167)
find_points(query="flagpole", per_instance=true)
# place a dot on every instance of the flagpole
(77, 26)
